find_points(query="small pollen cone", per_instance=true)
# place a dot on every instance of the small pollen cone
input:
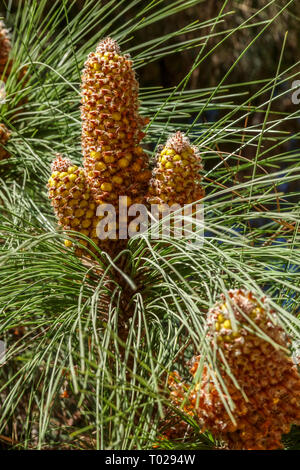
(5, 48)
(72, 200)
(60, 164)
(114, 162)
(108, 45)
(270, 402)
(4, 137)
(176, 178)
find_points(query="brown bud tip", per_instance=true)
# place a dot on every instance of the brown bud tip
(4, 134)
(108, 45)
(4, 33)
(60, 164)
(178, 142)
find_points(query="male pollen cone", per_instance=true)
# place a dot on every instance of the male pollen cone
(270, 382)
(114, 162)
(176, 178)
(72, 200)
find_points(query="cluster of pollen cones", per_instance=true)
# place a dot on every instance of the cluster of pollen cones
(260, 399)
(114, 163)
(264, 384)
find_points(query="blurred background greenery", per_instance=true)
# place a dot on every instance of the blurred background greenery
(259, 62)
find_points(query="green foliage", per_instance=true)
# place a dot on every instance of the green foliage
(71, 378)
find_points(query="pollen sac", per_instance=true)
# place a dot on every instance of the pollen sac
(72, 200)
(176, 178)
(114, 163)
(266, 389)
(4, 138)
(5, 48)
